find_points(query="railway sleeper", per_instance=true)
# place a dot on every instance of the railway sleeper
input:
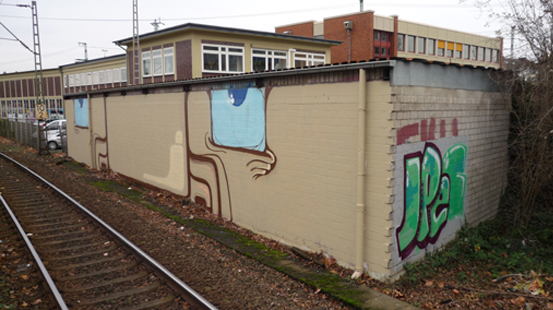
(51, 251)
(65, 234)
(38, 204)
(93, 262)
(103, 283)
(41, 215)
(70, 240)
(82, 254)
(35, 211)
(97, 273)
(69, 221)
(50, 218)
(42, 231)
(131, 292)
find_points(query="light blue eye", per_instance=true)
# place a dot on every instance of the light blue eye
(238, 118)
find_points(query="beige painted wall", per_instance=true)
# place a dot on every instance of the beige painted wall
(308, 196)
(78, 139)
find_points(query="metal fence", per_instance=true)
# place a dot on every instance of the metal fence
(25, 132)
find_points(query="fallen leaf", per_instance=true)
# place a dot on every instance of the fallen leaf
(441, 284)
(456, 292)
(429, 283)
(519, 301)
(549, 305)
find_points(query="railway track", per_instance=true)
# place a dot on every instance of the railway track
(83, 263)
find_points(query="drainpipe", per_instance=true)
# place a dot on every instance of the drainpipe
(92, 155)
(361, 138)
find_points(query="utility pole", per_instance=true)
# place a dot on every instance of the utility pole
(361, 4)
(85, 50)
(41, 112)
(135, 45)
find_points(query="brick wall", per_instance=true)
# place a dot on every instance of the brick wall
(183, 54)
(304, 29)
(361, 37)
(467, 128)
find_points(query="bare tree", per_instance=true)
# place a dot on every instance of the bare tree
(530, 83)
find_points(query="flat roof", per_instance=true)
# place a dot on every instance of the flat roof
(92, 61)
(192, 26)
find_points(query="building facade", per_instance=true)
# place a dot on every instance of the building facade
(195, 51)
(367, 36)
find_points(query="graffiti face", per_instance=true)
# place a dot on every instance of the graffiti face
(81, 112)
(434, 192)
(238, 118)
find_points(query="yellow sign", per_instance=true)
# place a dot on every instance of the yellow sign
(41, 112)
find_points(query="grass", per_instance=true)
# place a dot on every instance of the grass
(493, 248)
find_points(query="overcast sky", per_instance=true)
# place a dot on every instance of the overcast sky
(64, 23)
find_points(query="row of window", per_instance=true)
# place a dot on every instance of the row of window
(230, 59)
(23, 107)
(117, 75)
(158, 62)
(428, 46)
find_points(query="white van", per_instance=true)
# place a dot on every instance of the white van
(54, 134)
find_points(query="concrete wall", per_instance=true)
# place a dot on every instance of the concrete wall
(281, 159)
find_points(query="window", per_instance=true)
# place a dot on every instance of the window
(102, 75)
(450, 46)
(481, 53)
(302, 59)
(116, 75)
(401, 42)
(83, 79)
(218, 58)
(431, 46)
(158, 65)
(89, 78)
(441, 48)
(123, 75)
(411, 44)
(422, 45)
(146, 64)
(473, 53)
(377, 36)
(95, 77)
(71, 80)
(488, 54)
(263, 60)
(77, 79)
(495, 56)
(109, 76)
(458, 50)
(168, 57)
(65, 81)
(466, 51)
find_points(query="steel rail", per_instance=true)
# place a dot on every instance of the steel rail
(53, 288)
(198, 300)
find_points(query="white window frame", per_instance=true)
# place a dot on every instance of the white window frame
(109, 79)
(116, 75)
(146, 57)
(269, 56)
(71, 80)
(83, 79)
(157, 62)
(77, 79)
(168, 56)
(310, 58)
(95, 78)
(102, 77)
(123, 74)
(65, 81)
(223, 51)
(89, 78)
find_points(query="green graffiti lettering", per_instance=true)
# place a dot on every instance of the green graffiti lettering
(433, 194)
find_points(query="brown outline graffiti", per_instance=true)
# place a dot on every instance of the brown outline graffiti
(102, 140)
